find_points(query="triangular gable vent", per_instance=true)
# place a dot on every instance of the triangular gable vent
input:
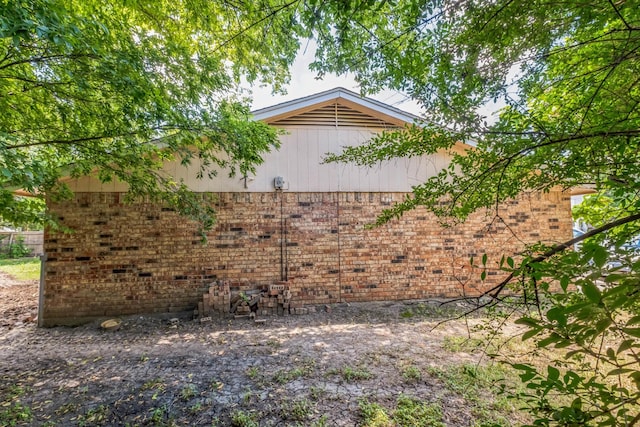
(335, 115)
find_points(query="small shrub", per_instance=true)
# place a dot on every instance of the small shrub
(17, 249)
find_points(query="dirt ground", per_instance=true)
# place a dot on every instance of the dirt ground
(303, 370)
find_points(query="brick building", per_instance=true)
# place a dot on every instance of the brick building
(297, 221)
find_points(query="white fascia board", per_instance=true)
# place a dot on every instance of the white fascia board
(333, 94)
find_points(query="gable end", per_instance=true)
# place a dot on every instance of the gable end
(335, 114)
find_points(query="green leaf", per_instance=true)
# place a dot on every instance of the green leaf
(553, 338)
(557, 314)
(625, 345)
(619, 371)
(527, 321)
(613, 278)
(602, 325)
(553, 373)
(611, 354)
(634, 332)
(633, 321)
(531, 333)
(528, 372)
(600, 256)
(591, 291)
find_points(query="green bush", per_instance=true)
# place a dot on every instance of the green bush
(16, 249)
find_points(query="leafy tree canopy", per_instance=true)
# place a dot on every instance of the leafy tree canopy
(118, 87)
(568, 76)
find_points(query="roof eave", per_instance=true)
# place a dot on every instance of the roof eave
(352, 99)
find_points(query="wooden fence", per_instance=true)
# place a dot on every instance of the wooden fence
(31, 239)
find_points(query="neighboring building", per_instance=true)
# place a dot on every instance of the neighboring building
(310, 231)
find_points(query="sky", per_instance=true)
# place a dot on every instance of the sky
(304, 82)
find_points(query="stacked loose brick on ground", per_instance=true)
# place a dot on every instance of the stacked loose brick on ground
(272, 300)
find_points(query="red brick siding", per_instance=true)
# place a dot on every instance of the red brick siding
(139, 258)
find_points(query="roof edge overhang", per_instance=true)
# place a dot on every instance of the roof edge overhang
(343, 96)
(582, 190)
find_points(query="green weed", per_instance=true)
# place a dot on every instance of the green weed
(161, 417)
(253, 372)
(195, 408)
(12, 411)
(188, 392)
(320, 422)
(350, 374)
(411, 412)
(428, 311)
(298, 410)
(480, 387)
(94, 417)
(283, 376)
(373, 415)
(154, 384)
(411, 373)
(316, 392)
(457, 344)
(241, 418)
(15, 413)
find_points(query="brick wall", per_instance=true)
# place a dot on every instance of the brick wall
(140, 258)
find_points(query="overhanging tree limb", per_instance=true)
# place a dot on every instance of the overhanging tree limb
(496, 290)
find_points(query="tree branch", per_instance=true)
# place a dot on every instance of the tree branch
(47, 58)
(626, 24)
(495, 291)
(253, 24)
(96, 138)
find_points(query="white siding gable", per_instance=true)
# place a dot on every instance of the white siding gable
(316, 125)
